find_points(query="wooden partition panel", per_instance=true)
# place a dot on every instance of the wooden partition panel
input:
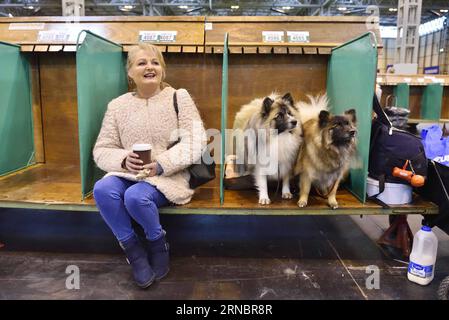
(257, 76)
(59, 108)
(200, 75)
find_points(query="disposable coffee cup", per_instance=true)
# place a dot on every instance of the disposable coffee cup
(144, 152)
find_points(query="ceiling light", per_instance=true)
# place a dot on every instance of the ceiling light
(28, 7)
(287, 8)
(444, 10)
(235, 7)
(183, 7)
(342, 8)
(126, 7)
(393, 9)
(278, 10)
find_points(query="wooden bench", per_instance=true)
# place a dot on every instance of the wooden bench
(195, 62)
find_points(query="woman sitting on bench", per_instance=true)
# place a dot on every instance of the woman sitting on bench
(146, 116)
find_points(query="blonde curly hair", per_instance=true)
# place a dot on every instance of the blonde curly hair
(152, 49)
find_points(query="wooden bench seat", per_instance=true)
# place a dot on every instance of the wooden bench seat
(58, 187)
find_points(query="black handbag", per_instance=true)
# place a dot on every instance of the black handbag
(200, 173)
(391, 147)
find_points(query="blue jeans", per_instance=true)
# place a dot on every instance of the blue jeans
(120, 200)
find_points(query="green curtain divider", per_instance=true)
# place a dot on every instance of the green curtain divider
(101, 77)
(402, 94)
(431, 102)
(224, 112)
(16, 116)
(350, 84)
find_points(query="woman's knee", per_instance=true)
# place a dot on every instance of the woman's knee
(106, 188)
(137, 196)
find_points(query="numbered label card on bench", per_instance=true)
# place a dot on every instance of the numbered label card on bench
(273, 36)
(53, 36)
(298, 36)
(158, 36)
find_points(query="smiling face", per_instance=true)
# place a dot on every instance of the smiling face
(146, 67)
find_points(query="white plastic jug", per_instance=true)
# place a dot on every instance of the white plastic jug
(421, 268)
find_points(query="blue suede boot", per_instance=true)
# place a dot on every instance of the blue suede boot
(158, 256)
(138, 259)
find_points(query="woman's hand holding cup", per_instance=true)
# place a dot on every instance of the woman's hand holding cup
(133, 163)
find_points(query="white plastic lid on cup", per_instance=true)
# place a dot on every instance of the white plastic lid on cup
(141, 147)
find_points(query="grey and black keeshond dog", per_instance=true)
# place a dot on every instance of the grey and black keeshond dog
(274, 153)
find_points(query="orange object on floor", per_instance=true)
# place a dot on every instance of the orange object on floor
(398, 235)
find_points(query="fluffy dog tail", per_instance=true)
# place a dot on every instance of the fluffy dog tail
(311, 110)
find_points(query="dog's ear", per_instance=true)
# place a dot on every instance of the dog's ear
(323, 118)
(288, 97)
(266, 106)
(351, 115)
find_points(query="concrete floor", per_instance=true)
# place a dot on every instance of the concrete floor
(213, 257)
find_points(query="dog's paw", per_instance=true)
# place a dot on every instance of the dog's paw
(302, 203)
(333, 204)
(287, 195)
(264, 201)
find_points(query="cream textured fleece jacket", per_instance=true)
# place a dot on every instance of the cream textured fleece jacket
(130, 119)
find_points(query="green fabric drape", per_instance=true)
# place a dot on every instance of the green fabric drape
(432, 100)
(16, 117)
(101, 77)
(350, 84)
(224, 112)
(402, 94)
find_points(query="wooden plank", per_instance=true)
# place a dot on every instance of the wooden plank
(208, 49)
(295, 50)
(189, 49)
(103, 19)
(442, 120)
(309, 50)
(162, 48)
(68, 48)
(248, 30)
(218, 49)
(265, 50)
(36, 109)
(54, 48)
(236, 50)
(200, 49)
(57, 187)
(413, 80)
(41, 48)
(283, 19)
(126, 48)
(126, 32)
(280, 50)
(175, 49)
(322, 50)
(249, 50)
(27, 48)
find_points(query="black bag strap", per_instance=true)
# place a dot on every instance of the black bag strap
(175, 103)
(381, 115)
(381, 180)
